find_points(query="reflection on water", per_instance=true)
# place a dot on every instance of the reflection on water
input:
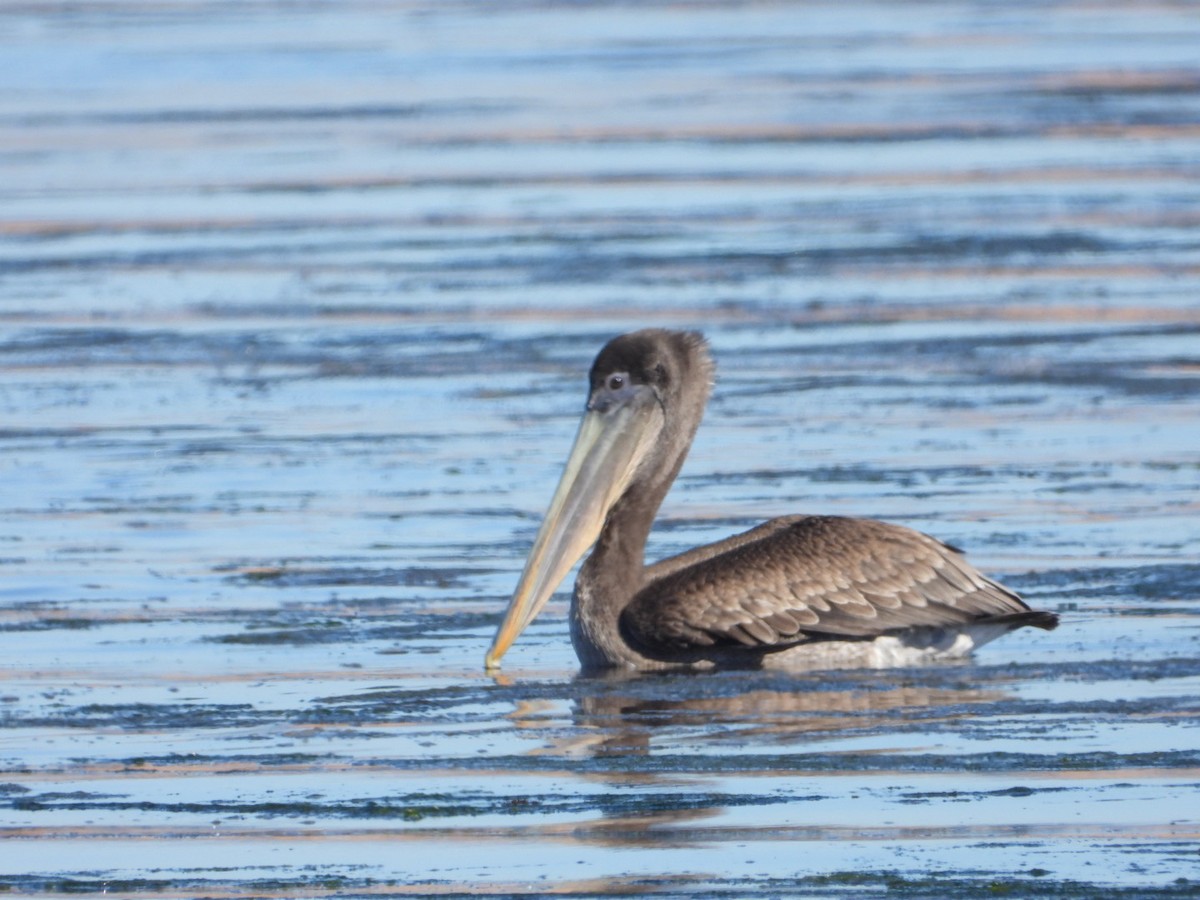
(613, 723)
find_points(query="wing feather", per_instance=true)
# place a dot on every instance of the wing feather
(811, 578)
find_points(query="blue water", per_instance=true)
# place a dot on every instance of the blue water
(295, 306)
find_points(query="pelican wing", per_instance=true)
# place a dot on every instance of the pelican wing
(804, 578)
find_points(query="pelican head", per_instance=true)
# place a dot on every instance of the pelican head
(646, 394)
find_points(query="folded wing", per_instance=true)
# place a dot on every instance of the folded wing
(804, 578)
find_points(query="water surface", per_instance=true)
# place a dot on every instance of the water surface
(295, 305)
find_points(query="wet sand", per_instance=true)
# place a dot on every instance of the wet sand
(295, 305)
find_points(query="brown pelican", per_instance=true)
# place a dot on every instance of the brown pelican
(797, 591)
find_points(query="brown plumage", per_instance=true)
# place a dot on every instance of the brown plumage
(797, 591)
(808, 578)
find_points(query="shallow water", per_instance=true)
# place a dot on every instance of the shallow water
(295, 303)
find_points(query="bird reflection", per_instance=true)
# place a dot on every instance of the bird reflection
(617, 714)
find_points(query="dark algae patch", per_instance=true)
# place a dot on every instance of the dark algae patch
(1034, 883)
(881, 884)
(404, 808)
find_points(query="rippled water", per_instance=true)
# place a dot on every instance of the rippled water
(295, 305)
